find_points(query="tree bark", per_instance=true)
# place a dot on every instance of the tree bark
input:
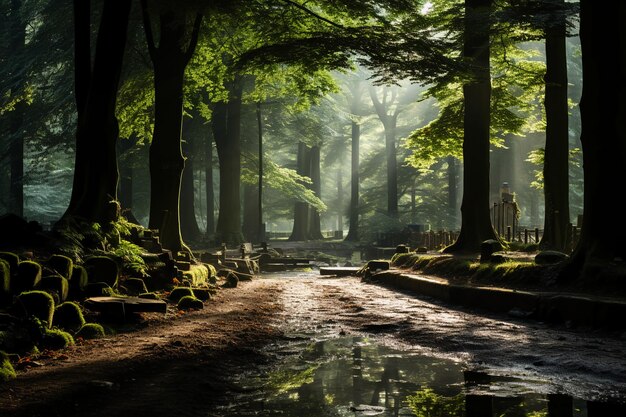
(603, 140)
(353, 231)
(251, 219)
(300, 231)
(97, 131)
(125, 186)
(166, 158)
(188, 224)
(452, 192)
(210, 193)
(228, 144)
(315, 227)
(475, 220)
(340, 196)
(555, 168)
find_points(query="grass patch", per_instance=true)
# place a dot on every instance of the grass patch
(6, 369)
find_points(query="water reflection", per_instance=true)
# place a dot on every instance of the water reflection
(353, 376)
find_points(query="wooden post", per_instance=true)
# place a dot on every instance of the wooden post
(508, 233)
(525, 236)
(537, 235)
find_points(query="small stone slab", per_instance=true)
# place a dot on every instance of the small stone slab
(340, 271)
(130, 304)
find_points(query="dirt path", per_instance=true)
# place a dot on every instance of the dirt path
(186, 365)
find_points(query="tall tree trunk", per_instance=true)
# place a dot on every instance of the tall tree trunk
(340, 197)
(125, 186)
(166, 158)
(16, 128)
(210, 194)
(300, 231)
(475, 220)
(315, 227)
(228, 145)
(392, 169)
(353, 231)
(603, 140)
(97, 131)
(555, 168)
(188, 223)
(452, 192)
(251, 199)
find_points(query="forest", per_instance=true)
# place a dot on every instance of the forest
(160, 157)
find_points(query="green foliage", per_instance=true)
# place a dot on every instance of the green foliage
(283, 381)
(179, 292)
(61, 264)
(427, 403)
(55, 339)
(27, 278)
(38, 304)
(6, 368)
(91, 331)
(68, 316)
(189, 302)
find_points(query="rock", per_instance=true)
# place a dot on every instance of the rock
(180, 292)
(402, 249)
(135, 286)
(497, 259)
(38, 304)
(549, 257)
(378, 265)
(28, 276)
(97, 289)
(421, 249)
(189, 302)
(61, 265)
(12, 259)
(487, 248)
(102, 269)
(5, 280)
(78, 282)
(55, 339)
(91, 331)
(56, 284)
(202, 294)
(69, 317)
(231, 281)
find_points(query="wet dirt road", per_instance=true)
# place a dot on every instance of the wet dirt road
(189, 365)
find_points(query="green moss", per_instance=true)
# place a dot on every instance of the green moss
(102, 269)
(12, 259)
(197, 275)
(91, 331)
(28, 276)
(189, 302)
(6, 369)
(62, 265)
(55, 339)
(57, 284)
(149, 296)
(38, 304)
(68, 316)
(180, 292)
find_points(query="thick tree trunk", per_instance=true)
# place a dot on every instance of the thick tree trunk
(353, 231)
(166, 157)
(555, 169)
(603, 140)
(300, 231)
(97, 131)
(452, 192)
(315, 227)
(340, 197)
(188, 223)
(475, 220)
(392, 168)
(228, 151)
(125, 186)
(251, 213)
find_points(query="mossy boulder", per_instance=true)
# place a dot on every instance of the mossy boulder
(488, 248)
(12, 259)
(135, 286)
(27, 278)
(91, 331)
(231, 280)
(149, 296)
(196, 275)
(202, 294)
(38, 304)
(97, 289)
(55, 339)
(549, 257)
(78, 282)
(57, 284)
(61, 265)
(102, 269)
(180, 292)
(189, 302)
(5, 278)
(6, 368)
(68, 316)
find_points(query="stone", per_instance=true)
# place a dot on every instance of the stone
(402, 249)
(61, 265)
(378, 265)
(28, 276)
(189, 302)
(68, 316)
(135, 286)
(549, 257)
(487, 248)
(102, 269)
(57, 284)
(38, 304)
(180, 292)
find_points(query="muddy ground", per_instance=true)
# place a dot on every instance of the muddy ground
(185, 365)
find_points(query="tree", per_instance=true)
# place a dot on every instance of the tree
(166, 159)
(475, 220)
(603, 141)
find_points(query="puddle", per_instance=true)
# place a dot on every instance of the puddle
(356, 376)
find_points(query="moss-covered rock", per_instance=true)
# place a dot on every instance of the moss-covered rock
(68, 316)
(197, 275)
(91, 331)
(231, 281)
(97, 289)
(78, 282)
(189, 302)
(102, 269)
(12, 259)
(149, 296)
(62, 265)
(6, 368)
(55, 339)
(27, 278)
(38, 304)
(57, 284)
(202, 294)
(5, 279)
(135, 286)
(180, 292)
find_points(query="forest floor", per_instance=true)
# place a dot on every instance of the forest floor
(190, 364)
